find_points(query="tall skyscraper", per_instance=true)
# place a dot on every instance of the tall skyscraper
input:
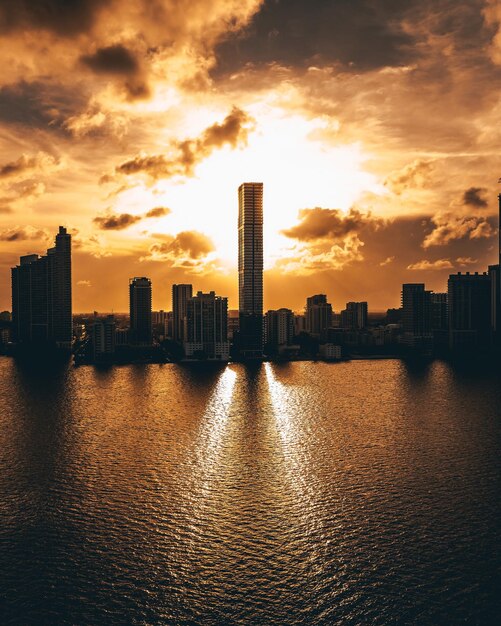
(140, 311)
(250, 269)
(41, 297)
(207, 327)
(180, 296)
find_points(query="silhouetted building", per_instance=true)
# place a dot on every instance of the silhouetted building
(207, 327)
(318, 315)
(416, 317)
(250, 269)
(103, 338)
(279, 328)
(233, 323)
(469, 307)
(299, 324)
(354, 316)
(140, 311)
(495, 276)
(41, 297)
(180, 296)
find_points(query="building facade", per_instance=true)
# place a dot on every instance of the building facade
(278, 328)
(180, 296)
(354, 316)
(140, 311)
(207, 327)
(42, 299)
(470, 311)
(250, 269)
(318, 315)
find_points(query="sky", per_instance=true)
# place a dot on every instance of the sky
(373, 124)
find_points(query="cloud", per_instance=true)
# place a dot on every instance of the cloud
(158, 211)
(440, 264)
(59, 16)
(233, 131)
(116, 222)
(124, 220)
(387, 261)
(413, 175)
(334, 224)
(466, 260)
(20, 233)
(39, 104)
(448, 227)
(119, 61)
(84, 283)
(116, 59)
(474, 196)
(41, 162)
(187, 249)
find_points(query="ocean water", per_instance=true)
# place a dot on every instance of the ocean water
(362, 493)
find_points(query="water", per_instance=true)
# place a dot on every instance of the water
(304, 493)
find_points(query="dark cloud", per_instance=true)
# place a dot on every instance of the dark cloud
(39, 105)
(474, 196)
(186, 248)
(158, 211)
(355, 34)
(124, 220)
(448, 227)
(22, 234)
(413, 175)
(116, 222)
(115, 59)
(186, 154)
(64, 17)
(332, 224)
(25, 164)
(119, 61)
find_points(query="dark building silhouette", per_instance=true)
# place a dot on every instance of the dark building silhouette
(103, 337)
(180, 296)
(318, 315)
(250, 269)
(279, 329)
(469, 307)
(140, 311)
(495, 275)
(416, 316)
(41, 297)
(354, 316)
(207, 327)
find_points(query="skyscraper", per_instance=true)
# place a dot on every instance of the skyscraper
(207, 327)
(354, 316)
(318, 315)
(250, 269)
(41, 297)
(469, 304)
(180, 296)
(416, 317)
(140, 311)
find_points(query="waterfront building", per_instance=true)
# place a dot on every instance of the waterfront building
(140, 311)
(207, 327)
(470, 311)
(278, 328)
(250, 270)
(103, 337)
(41, 297)
(318, 315)
(354, 316)
(416, 317)
(180, 295)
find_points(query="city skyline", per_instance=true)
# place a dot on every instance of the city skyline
(379, 160)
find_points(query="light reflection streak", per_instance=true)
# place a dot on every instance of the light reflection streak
(214, 422)
(297, 467)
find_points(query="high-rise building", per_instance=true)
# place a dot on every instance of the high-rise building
(495, 274)
(140, 311)
(279, 328)
(318, 314)
(469, 306)
(207, 327)
(250, 269)
(41, 297)
(354, 316)
(416, 316)
(103, 337)
(180, 296)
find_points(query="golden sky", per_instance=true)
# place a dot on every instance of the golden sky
(374, 126)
